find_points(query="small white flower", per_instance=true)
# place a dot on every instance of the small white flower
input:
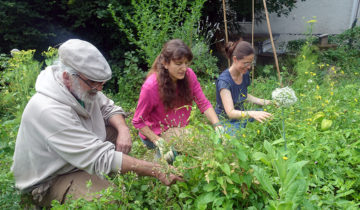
(284, 96)
(310, 81)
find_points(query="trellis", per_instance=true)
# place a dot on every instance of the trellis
(252, 36)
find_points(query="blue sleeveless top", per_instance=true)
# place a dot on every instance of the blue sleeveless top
(238, 92)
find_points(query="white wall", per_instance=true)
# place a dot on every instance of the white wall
(332, 16)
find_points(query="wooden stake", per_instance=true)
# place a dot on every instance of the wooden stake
(252, 38)
(226, 33)
(272, 43)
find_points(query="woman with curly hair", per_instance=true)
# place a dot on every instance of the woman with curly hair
(166, 97)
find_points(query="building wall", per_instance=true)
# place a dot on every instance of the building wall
(332, 16)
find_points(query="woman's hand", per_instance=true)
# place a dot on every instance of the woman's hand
(260, 116)
(268, 102)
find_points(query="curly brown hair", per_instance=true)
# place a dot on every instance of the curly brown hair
(172, 50)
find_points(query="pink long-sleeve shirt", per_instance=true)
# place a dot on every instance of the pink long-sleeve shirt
(151, 111)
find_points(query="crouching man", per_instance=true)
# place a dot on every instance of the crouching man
(71, 133)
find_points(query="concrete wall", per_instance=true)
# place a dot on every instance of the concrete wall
(332, 16)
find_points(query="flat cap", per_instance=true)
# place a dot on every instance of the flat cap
(86, 59)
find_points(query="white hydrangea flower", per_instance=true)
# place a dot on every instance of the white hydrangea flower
(284, 96)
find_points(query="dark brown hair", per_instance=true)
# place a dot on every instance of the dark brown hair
(172, 50)
(239, 49)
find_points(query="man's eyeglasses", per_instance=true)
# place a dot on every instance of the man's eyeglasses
(92, 84)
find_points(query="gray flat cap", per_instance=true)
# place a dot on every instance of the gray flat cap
(86, 59)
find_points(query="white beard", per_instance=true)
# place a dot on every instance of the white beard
(85, 96)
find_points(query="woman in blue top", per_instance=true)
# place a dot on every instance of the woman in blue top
(231, 89)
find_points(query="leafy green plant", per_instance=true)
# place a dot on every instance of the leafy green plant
(17, 82)
(130, 80)
(292, 189)
(152, 24)
(157, 23)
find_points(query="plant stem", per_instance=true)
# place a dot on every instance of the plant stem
(283, 125)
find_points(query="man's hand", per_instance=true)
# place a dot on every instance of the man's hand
(168, 179)
(123, 141)
(260, 116)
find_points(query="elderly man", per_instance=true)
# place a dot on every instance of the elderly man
(66, 129)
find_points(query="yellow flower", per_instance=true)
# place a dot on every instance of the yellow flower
(333, 68)
(285, 158)
(312, 63)
(317, 87)
(342, 72)
(265, 110)
(331, 93)
(306, 72)
(244, 135)
(258, 131)
(302, 95)
(355, 100)
(304, 57)
(327, 64)
(318, 97)
(327, 101)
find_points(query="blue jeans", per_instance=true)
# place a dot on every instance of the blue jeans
(148, 143)
(232, 126)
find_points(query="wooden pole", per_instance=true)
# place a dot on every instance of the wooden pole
(226, 33)
(252, 37)
(272, 43)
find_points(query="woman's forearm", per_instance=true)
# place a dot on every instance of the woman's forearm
(258, 101)
(211, 115)
(146, 131)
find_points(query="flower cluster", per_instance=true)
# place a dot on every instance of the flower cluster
(284, 96)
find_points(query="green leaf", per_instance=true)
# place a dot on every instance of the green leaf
(184, 195)
(225, 168)
(285, 206)
(281, 140)
(345, 193)
(262, 157)
(270, 150)
(265, 181)
(296, 192)
(281, 167)
(293, 172)
(204, 199)
(209, 187)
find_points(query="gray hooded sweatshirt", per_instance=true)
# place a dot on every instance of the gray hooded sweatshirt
(57, 135)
